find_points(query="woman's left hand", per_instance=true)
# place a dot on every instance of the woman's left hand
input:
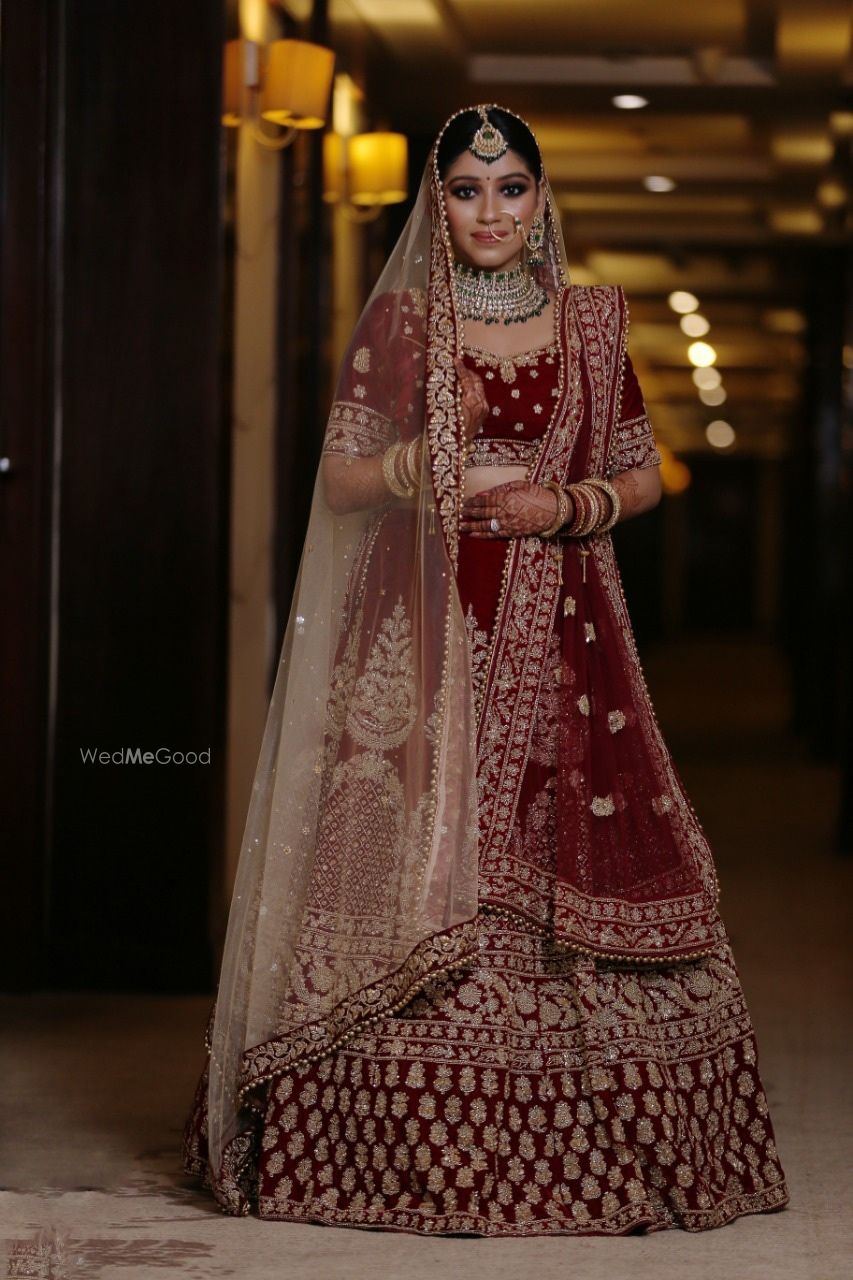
(520, 506)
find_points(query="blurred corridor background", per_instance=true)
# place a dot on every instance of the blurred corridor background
(178, 287)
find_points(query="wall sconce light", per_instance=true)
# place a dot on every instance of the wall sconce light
(365, 172)
(293, 90)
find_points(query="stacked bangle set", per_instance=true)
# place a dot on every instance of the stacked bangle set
(596, 505)
(401, 467)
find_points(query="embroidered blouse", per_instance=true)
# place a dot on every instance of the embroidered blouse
(521, 391)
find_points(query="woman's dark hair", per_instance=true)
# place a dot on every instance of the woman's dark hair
(459, 135)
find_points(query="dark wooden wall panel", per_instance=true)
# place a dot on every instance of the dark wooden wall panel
(143, 518)
(27, 108)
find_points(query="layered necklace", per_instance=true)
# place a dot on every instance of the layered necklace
(498, 297)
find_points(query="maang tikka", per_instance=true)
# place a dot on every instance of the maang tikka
(488, 143)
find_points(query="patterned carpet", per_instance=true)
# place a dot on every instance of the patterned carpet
(96, 1086)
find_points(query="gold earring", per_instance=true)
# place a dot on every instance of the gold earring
(535, 241)
(532, 243)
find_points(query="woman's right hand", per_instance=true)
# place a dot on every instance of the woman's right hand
(475, 406)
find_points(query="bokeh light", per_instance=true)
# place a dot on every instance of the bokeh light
(682, 301)
(694, 325)
(720, 434)
(701, 354)
(658, 182)
(707, 377)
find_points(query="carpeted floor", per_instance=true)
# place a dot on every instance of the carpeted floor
(96, 1087)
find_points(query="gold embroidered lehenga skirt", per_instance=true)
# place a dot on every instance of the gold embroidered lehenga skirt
(535, 1091)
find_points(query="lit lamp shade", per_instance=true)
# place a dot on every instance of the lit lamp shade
(232, 83)
(378, 164)
(297, 84)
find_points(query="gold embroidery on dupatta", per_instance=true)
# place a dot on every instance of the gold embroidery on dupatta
(442, 428)
(342, 683)
(357, 429)
(384, 705)
(525, 617)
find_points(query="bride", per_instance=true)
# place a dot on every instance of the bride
(475, 979)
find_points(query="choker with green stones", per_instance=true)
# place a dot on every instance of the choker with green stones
(496, 297)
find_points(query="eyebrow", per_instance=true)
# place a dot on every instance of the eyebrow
(464, 177)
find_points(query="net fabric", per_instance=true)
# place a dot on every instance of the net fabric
(357, 876)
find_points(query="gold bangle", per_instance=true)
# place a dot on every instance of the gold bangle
(615, 503)
(581, 506)
(389, 459)
(562, 509)
(408, 458)
(400, 468)
(586, 509)
(598, 508)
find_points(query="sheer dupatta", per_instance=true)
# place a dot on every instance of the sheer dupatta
(357, 877)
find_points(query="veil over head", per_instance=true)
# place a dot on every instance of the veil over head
(357, 877)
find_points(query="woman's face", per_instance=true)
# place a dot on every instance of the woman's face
(481, 201)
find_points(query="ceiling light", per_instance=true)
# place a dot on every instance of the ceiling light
(841, 123)
(720, 434)
(831, 193)
(783, 320)
(803, 221)
(629, 101)
(701, 353)
(695, 326)
(713, 395)
(682, 301)
(802, 147)
(657, 182)
(707, 377)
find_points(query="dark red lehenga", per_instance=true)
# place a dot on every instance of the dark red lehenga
(538, 1090)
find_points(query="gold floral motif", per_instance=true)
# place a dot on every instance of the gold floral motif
(342, 683)
(384, 704)
(569, 606)
(615, 721)
(478, 645)
(361, 360)
(569, 1149)
(602, 806)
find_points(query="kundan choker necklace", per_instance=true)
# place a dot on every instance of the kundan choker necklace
(497, 297)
